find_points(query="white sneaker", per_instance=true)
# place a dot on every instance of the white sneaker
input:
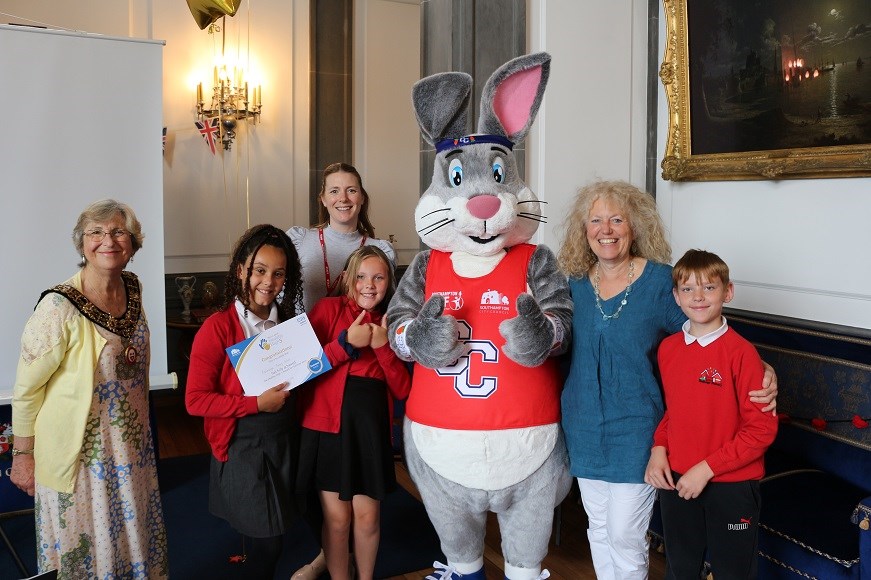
(442, 572)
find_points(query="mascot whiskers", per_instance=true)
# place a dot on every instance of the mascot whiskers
(482, 314)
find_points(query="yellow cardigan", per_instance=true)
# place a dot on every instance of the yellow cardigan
(54, 386)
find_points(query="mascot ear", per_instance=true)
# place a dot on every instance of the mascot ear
(512, 95)
(440, 103)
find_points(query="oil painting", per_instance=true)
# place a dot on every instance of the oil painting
(767, 89)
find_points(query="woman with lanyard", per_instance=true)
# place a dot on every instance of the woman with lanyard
(344, 226)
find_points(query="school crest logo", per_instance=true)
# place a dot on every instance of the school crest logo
(711, 376)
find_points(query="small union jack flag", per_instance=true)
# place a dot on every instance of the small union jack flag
(208, 128)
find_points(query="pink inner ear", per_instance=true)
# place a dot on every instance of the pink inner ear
(514, 97)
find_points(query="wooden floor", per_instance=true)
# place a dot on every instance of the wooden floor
(181, 434)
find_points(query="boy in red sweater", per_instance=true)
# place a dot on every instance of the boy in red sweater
(707, 456)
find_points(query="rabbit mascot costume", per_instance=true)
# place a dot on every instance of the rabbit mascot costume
(482, 314)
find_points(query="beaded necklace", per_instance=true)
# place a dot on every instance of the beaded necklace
(625, 295)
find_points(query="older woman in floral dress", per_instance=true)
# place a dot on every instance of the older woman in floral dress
(83, 441)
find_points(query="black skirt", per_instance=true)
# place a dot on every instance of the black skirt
(254, 490)
(358, 460)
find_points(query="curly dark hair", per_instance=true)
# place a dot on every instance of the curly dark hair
(246, 248)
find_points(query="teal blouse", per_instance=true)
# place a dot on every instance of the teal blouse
(612, 399)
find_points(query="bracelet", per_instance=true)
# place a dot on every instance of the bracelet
(21, 452)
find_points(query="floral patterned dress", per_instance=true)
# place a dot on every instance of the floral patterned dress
(111, 526)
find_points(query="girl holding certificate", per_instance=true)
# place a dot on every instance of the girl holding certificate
(254, 440)
(347, 413)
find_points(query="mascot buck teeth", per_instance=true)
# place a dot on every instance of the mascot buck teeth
(482, 314)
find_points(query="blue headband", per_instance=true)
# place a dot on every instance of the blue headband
(446, 144)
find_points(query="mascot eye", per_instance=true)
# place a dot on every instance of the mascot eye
(498, 170)
(455, 173)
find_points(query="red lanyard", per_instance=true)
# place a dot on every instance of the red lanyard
(331, 286)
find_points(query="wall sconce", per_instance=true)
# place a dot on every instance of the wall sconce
(230, 101)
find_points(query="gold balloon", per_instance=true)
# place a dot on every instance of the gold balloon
(207, 11)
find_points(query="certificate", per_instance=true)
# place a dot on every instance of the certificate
(289, 351)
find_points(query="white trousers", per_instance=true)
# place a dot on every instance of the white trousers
(619, 515)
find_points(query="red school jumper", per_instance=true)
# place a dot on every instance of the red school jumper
(708, 413)
(321, 401)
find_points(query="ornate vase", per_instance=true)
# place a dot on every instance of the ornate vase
(185, 285)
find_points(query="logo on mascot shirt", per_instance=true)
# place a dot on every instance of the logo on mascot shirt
(453, 299)
(493, 300)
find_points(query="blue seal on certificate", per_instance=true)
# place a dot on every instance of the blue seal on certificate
(316, 365)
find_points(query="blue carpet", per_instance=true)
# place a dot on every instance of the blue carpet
(200, 544)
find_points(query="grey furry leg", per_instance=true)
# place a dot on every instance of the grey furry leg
(458, 514)
(526, 516)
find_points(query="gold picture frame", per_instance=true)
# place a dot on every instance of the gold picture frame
(835, 154)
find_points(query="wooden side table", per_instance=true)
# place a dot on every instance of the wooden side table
(189, 325)
(186, 328)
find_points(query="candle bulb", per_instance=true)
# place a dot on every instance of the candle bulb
(259, 95)
(246, 92)
(215, 81)
(200, 93)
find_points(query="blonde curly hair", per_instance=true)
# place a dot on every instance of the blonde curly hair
(576, 257)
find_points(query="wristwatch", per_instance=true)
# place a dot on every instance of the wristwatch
(21, 452)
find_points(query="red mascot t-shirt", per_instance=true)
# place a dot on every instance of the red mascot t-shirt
(484, 389)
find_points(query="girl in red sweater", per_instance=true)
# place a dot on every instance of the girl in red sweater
(347, 413)
(254, 439)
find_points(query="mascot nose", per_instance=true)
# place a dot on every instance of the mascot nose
(483, 206)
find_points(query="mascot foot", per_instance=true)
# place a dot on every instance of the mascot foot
(447, 572)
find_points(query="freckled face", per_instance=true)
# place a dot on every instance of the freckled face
(608, 232)
(371, 285)
(267, 279)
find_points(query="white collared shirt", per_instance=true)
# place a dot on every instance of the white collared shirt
(253, 324)
(707, 338)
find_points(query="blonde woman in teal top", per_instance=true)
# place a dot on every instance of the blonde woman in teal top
(616, 256)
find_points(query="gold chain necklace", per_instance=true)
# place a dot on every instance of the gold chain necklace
(104, 302)
(625, 295)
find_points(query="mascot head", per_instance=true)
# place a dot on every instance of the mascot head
(477, 203)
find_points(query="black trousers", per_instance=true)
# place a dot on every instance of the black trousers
(723, 521)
